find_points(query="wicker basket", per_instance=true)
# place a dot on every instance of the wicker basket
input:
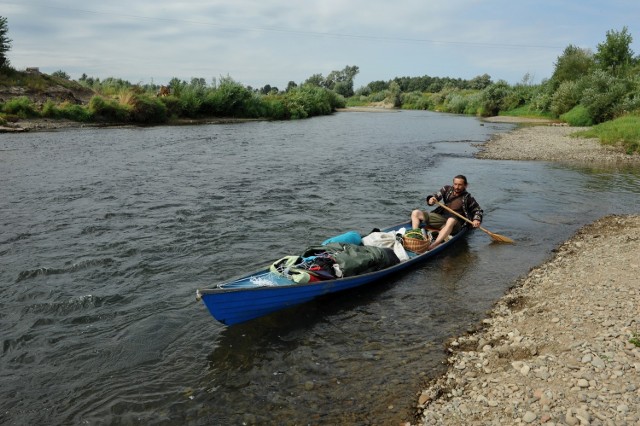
(415, 245)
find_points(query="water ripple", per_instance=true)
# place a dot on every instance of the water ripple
(44, 271)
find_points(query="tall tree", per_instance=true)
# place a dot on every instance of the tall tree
(290, 86)
(572, 64)
(342, 81)
(5, 43)
(615, 54)
(315, 80)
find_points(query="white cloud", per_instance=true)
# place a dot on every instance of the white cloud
(260, 42)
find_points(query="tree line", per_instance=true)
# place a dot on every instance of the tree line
(586, 88)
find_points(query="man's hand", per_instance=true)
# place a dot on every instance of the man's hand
(431, 201)
(476, 223)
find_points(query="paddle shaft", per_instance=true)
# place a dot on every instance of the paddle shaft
(495, 237)
(450, 210)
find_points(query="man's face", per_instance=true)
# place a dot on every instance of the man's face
(458, 186)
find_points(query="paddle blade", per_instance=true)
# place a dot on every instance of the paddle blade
(500, 238)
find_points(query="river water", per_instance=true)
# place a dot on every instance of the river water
(105, 235)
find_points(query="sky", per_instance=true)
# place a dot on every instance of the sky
(260, 42)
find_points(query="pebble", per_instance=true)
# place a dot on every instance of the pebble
(547, 359)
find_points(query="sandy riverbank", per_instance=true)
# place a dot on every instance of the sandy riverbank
(558, 348)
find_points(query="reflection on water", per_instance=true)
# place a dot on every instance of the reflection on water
(107, 233)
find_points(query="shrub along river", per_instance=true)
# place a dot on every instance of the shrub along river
(105, 235)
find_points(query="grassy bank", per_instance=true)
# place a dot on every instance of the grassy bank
(624, 131)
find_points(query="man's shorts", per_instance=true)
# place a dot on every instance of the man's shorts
(435, 220)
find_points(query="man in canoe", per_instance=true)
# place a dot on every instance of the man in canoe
(457, 199)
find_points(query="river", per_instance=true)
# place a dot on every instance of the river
(105, 235)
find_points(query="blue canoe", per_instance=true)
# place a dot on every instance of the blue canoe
(244, 299)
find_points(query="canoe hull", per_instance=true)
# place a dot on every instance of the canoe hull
(234, 302)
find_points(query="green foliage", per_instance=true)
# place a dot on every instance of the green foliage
(615, 54)
(566, 97)
(393, 94)
(356, 101)
(315, 80)
(109, 110)
(378, 86)
(603, 95)
(60, 74)
(624, 131)
(231, 99)
(409, 100)
(493, 98)
(147, 110)
(50, 110)
(573, 64)
(577, 116)
(172, 105)
(5, 44)
(456, 102)
(274, 107)
(340, 82)
(21, 107)
(480, 82)
(75, 112)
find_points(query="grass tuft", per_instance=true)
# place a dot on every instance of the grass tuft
(624, 131)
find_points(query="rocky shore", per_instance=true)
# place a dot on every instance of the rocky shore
(552, 143)
(563, 346)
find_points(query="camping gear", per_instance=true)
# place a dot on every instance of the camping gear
(264, 292)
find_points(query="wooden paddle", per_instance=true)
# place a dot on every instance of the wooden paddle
(496, 237)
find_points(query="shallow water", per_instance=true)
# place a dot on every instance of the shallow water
(105, 234)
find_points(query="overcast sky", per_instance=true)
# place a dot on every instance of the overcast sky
(259, 42)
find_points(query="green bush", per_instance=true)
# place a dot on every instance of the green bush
(541, 101)
(516, 97)
(21, 106)
(147, 110)
(50, 110)
(377, 96)
(190, 103)
(415, 100)
(108, 110)
(294, 104)
(493, 97)
(565, 97)
(275, 107)
(230, 99)
(604, 96)
(75, 112)
(456, 103)
(172, 104)
(474, 102)
(309, 100)
(577, 116)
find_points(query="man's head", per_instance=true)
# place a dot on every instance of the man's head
(459, 184)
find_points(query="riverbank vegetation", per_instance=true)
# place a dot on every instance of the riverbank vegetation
(119, 101)
(600, 89)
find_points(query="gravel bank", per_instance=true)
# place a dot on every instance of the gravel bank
(552, 143)
(558, 348)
